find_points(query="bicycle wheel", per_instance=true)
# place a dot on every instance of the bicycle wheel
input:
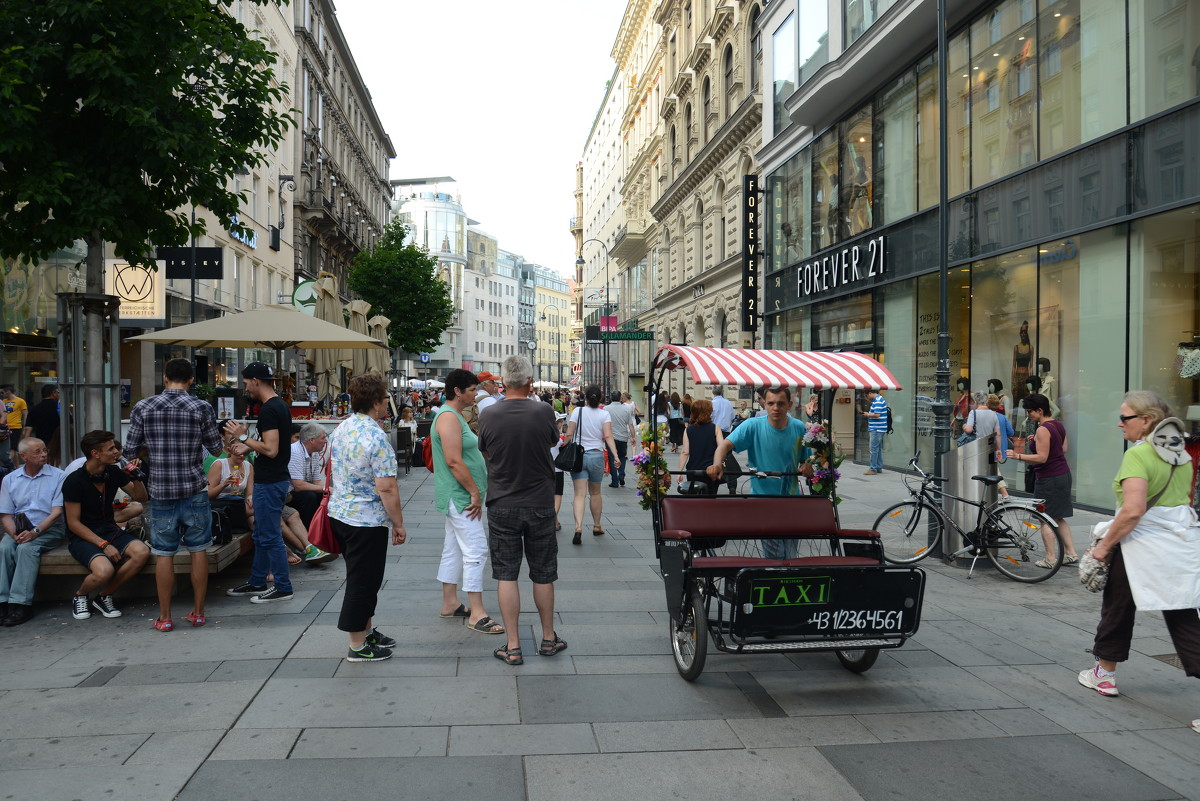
(1017, 548)
(858, 661)
(908, 532)
(689, 637)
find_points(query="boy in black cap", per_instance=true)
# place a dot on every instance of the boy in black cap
(271, 484)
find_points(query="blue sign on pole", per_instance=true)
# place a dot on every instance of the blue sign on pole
(424, 358)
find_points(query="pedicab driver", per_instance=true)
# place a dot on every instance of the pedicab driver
(771, 444)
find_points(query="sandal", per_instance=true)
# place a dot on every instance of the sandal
(597, 532)
(509, 656)
(293, 559)
(577, 539)
(485, 625)
(552, 647)
(195, 620)
(164, 625)
(461, 611)
(1070, 558)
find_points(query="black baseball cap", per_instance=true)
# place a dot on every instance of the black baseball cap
(260, 370)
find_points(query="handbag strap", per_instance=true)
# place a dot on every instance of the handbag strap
(329, 471)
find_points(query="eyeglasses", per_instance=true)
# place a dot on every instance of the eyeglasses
(1125, 418)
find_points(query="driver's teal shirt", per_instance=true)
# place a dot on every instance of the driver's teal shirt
(771, 450)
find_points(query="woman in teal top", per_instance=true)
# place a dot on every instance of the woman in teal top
(460, 482)
(1145, 479)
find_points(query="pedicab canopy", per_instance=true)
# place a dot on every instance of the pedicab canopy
(776, 368)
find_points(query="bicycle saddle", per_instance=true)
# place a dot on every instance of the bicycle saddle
(991, 481)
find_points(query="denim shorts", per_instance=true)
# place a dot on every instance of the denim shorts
(185, 522)
(593, 467)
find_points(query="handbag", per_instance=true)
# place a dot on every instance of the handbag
(570, 455)
(965, 438)
(320, 530)
(1093, 572)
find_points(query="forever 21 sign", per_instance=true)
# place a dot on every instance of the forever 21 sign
(859, 262)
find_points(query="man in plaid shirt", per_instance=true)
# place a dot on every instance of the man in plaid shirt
(174, 426)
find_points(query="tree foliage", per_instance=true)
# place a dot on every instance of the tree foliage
(116, 115)
(400, 281)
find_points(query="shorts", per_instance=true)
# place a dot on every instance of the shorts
(512, 531)
(84, 551)
(1056, 490)
(593, 467)
(288, 512)
(185, 522)
(559, 481)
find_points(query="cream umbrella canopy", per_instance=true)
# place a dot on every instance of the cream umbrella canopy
(358, 324)
(325, 362)
(378, 361)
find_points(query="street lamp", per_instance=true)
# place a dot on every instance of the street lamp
(579, 262)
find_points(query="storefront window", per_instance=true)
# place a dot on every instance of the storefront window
(897, 350)
(843, 323)
(783, 68)
(826, 216)
(958, 116)
(1164, 55)
(1003, 96)
(925, 383)
(790, 203)
(857, 186)
(895, 194)
(814, 37)
(927, 135)
(1081, 72)
(861, 15)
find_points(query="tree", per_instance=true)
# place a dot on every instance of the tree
(400, 281)
(115, 116)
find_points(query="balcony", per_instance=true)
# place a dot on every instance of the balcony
(576, 224)
(630, 241)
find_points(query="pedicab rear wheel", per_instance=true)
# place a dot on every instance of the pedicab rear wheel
(858, 660)
(689, 637)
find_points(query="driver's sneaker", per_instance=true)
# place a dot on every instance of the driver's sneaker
(105, 606)
(79, 607)
(1105, 685)
(368, 653)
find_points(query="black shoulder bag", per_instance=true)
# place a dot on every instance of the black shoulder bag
(570, 455)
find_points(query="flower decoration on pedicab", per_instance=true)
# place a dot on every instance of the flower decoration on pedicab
(825, 458)
(653, 480)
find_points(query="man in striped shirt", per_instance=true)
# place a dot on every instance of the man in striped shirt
(877, 415)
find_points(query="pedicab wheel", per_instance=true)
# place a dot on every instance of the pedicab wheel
(858, 660)
(689, 637)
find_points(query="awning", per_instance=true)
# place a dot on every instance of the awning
(745, 367)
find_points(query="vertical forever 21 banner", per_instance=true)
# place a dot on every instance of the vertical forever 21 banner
(751, 252)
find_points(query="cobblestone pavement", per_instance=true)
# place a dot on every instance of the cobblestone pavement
(258, 704)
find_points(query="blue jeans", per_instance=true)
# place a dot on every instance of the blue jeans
(270, 554)
(186, 522)
(780, 549)
(877, 450)
(19, 563)
(618, 475)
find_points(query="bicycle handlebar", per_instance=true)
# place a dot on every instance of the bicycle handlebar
(702, 475)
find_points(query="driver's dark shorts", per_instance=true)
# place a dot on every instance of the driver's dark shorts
(517, 530)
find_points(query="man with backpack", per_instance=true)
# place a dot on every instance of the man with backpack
(879, 423)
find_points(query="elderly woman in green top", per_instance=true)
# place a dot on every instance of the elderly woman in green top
(460, 481)
(1156, 472)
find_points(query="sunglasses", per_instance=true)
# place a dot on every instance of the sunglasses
(1125, 418)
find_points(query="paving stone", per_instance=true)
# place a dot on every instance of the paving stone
(1167, 755)
(126, 782)
(930, 726)
(966, 644)
(256, 744)
(70, 752)
(383, 701)
(591, 699)
(42, 678)
(101, 676)
(177, 747)
(294, 668)
(369, 742)
(546, 738)
(1058, 767)
(398, 665)
(144, 675)
(1021, 722)
(502, 778)
(791, 732)
(244, 670)
(691, 735)
(147, 646)
(709, 775)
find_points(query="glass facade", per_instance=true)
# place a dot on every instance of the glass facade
(861, 15)
(783, 68)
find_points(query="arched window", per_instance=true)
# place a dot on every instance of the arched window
(706, 107)
(674, 153)
(687, 132)
(755, 51)
(730, 104)
(719, 226)
(698, 241)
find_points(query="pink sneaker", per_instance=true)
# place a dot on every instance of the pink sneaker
(1105, 685)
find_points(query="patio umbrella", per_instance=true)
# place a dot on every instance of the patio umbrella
(378, 361)
(358, 324)
(545, 385)
(325, 361)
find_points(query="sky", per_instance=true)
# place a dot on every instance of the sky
(498, 94)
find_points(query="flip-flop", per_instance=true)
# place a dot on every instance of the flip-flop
(509, 656)
(485, 626)
(164, 625)
(196, 620)
(461, 611)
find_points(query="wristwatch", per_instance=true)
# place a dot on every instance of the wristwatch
(243, 437)
(36, 530)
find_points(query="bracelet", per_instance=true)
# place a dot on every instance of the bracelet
(103, 544)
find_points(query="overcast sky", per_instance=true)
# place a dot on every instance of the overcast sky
(500, 95)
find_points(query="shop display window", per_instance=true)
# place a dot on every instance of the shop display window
(895, 135)
(927, 135)
(857, 185)
(1164, 55)
(1003, 94)
(790, 202)
(826, 182)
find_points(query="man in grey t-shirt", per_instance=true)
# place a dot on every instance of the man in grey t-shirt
(622, 431)
(515, 436)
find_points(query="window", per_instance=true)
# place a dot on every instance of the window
(689, 132)
(730, 104)
(706, 107)
(783, 69)
(1003, 57)
(895, 192)
(813, 43)
(755, 51)
(857, 171)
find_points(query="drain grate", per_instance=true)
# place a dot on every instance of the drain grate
(1170, 659)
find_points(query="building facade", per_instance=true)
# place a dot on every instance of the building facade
(1073, 133)
(554, 314)
(490, 300)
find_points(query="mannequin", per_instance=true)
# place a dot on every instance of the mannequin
(962, 407)
(1049, 385)
(1022, 356)
(996, 387)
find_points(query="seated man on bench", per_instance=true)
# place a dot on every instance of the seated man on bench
(112, 555)
(771, 442)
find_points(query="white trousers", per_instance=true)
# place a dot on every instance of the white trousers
(465, 551)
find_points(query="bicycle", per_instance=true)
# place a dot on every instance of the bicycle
(1008, 531)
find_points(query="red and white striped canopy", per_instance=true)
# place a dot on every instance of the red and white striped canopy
(777, 368)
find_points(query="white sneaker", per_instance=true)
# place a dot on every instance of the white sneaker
(1106, 685)
(1196, 725)
(79, 607)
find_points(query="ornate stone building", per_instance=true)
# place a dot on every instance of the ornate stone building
(711, 112)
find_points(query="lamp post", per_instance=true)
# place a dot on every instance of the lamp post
(532, 345)
(607, 312)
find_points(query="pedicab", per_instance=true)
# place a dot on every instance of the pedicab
(835, 594)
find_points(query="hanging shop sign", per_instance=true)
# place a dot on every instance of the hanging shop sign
(859, 263)
(751, 252)
(209, 263)
(249, 239)
(143, 293)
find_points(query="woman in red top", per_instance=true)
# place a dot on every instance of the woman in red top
(1052, 474)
